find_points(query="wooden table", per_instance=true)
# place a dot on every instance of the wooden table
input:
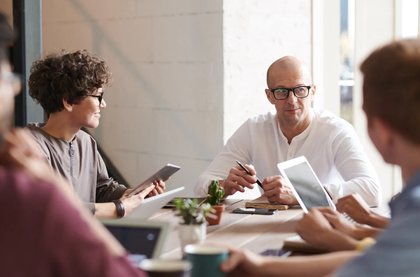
(254, 232)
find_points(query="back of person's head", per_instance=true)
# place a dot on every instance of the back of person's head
(67, 76)
(391, 87)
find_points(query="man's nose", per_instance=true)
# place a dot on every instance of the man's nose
(292, 98)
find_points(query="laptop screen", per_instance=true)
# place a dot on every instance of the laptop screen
(142, 239)
(306, 185)
(137, 240)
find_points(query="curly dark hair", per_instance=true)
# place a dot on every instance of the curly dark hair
(67, 76)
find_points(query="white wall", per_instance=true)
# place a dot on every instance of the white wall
(166, 56)
(255, 34)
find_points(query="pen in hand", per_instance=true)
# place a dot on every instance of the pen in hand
(247, 171)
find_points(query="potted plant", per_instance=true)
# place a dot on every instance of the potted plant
(193, 226)
(214, 196)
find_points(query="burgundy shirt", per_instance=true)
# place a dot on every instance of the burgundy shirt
(41, 234)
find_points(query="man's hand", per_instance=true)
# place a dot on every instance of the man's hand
(314, 227)
(276, 190)
(133, 201)
(317, 230)
(238, 180)
(338, 221)
(242, 262)
(355, 207)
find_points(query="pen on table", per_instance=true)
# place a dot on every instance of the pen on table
(247, 171)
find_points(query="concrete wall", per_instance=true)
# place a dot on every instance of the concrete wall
(167, 61)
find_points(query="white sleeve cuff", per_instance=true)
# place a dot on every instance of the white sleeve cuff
(335, 191)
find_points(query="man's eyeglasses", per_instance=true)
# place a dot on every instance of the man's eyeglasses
(100, 97)
(283, 93)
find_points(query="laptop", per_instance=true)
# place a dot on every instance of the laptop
(304, 183)
(142, 239)
(152, 204)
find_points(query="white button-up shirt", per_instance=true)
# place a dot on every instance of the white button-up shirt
(330, 144)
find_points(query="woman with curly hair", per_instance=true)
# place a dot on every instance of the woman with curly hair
(70, 88)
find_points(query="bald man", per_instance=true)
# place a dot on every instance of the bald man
(329, 143)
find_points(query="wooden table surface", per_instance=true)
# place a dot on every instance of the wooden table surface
(254, 232)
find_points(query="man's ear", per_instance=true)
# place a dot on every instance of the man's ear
(383, 137)
(67, 106)
(269, 95)
(312, 93)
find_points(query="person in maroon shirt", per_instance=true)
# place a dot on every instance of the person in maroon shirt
(36, 237)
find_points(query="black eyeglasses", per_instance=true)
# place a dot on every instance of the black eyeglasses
(100, 97)
(283, 93)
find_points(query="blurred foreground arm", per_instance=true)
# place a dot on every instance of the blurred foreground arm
(243, 262)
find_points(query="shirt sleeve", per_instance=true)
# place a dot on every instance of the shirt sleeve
(106, 188)
(396, 251)
(355, 168)
(238, 147)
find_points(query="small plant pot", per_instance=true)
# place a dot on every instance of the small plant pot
(218, 211)
(191, 234)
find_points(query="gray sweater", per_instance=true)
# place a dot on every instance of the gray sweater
(81, 164)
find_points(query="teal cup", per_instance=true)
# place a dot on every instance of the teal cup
(206, 259)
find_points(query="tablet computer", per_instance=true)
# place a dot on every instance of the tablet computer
(304, 183)
(163, 174)
(152, 204)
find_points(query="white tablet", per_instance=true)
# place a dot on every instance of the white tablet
(152, 204)
(304, 183)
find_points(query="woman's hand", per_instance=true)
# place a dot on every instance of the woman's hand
(130, 202)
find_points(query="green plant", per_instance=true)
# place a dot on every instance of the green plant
(215, 193)
(191, 211)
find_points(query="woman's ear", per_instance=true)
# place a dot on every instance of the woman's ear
(67, 106)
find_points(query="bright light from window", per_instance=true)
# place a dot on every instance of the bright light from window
(410, 15)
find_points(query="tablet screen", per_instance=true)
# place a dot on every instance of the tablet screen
(307, 186)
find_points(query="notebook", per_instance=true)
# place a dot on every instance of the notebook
(304, 183)
(142, 239)
(151, 205)
(263, 203)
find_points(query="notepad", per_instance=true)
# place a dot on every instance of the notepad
(263, 203)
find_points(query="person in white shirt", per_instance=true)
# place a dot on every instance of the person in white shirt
(329, 143)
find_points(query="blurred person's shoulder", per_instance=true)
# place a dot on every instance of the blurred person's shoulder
(16, 184)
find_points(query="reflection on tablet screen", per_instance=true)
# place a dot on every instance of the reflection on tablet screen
(307, 186)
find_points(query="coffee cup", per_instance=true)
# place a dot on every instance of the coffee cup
(166, 268)
(206, 259)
